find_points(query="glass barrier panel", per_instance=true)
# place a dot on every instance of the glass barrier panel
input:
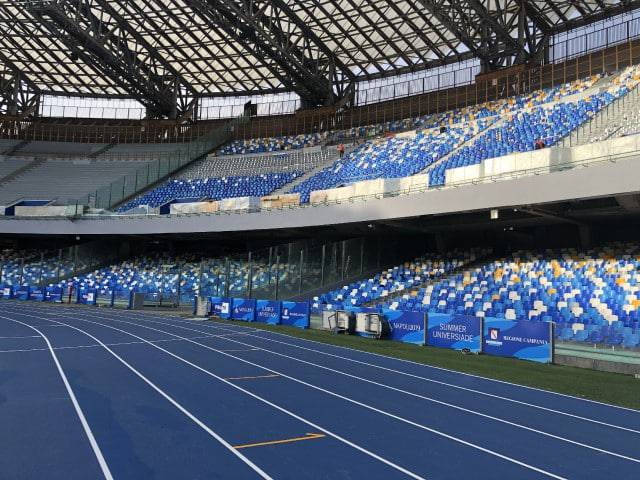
(312, 268)
(263, 277)
(154, 171)
(332, 271)
(129, 187)
(238, 273)
(142, 177)
(117, 191)
(103, 197)
(163, 166)
(212, 277)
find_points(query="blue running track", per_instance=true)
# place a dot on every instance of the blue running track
(97, 393)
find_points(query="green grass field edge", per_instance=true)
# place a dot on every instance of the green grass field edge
(612, 388)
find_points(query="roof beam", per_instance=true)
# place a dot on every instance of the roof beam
(132, 65)
(478, 30)
(185, 87)
(18, 96)
(257, 27)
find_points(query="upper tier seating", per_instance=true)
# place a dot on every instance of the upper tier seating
(223, 166)
(453, 117)
(147, 151)
(401, 156)
(520, 132)
(64, 180)
(391, 158)
(9, 165)
(407, 155)
(6, 145)
(212, 189)
(273, 144)
(59, 149)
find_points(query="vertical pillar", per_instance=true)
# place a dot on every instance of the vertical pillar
(584, 232)
(277, 276)
(301, 263)
(227, 274)
(21, 270)
(41, 269)
(249, 275)
(324, 253)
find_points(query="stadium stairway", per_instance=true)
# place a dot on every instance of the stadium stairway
(496, 124)
(331, 158)
(101, 151)
(609, 122)
(22, 170)
(17, 147)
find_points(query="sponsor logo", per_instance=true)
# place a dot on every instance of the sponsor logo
(494, 334)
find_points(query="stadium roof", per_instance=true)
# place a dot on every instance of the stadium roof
(160, 51)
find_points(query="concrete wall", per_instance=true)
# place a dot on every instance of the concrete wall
(595, 364)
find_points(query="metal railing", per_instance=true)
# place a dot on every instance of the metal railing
(601, 119)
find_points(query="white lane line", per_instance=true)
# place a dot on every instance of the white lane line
(257, 397)
(85, 425)
(439, 382)
(448, 370)
(334, 394)
(405, 392)
(171, 400)
(116, 344)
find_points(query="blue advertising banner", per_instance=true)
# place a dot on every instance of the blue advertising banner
(268, 311)
(36, 294)
(22, 292)
(454, 331)
(527, 340)
(87, 296)
(220, 307)
(295, 314)
(53, 294)
(7, 292)
(244, 309)
(407, 327)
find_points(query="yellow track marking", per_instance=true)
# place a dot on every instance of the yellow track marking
(308, 436)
